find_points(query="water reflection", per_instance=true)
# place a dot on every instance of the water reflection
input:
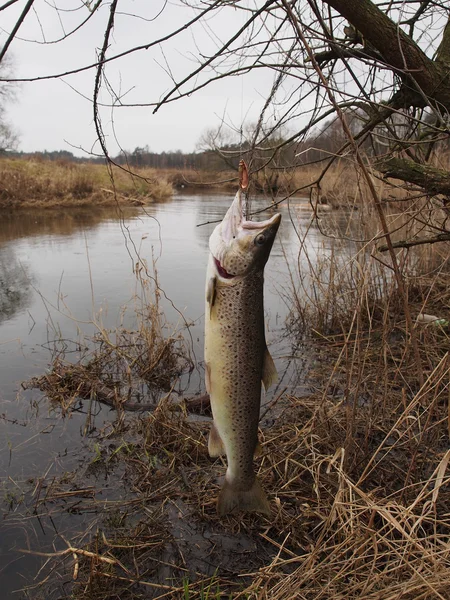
(15, 290)
(57, 222)
(16, 275)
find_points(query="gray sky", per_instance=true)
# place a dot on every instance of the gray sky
(55, 114)
(58, 113)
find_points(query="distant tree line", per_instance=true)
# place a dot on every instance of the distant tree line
(217, 152)
(139, 157)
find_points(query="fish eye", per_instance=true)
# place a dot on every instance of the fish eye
(260, 239)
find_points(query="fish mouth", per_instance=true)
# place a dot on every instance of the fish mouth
(234, 220)
(222, 272)
(233, 226)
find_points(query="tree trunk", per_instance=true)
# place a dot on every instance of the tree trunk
(427, 78)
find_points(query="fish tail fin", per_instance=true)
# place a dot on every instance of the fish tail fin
(232, 498)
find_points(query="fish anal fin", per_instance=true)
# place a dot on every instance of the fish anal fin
(215, 444)
(233, 498)
(269, 374)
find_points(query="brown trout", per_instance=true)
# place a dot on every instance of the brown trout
(236, 355)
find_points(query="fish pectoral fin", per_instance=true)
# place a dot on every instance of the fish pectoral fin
(258, 450)
(232, 498)
(269, 374)
(211, 292)
(215, 444)
(208, 378)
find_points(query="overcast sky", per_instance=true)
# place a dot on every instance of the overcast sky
(58, 113)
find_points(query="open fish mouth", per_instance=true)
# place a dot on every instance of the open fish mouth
(227, 238)
(235, 221)
(222, 272)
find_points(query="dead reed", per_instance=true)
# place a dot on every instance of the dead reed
(47, 184)
(359, 528)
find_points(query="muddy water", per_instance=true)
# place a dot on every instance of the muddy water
(57, 270)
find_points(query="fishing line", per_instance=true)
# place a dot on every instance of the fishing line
(244, 190)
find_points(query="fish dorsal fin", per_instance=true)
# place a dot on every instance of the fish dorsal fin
(269, 374)
(215, 444)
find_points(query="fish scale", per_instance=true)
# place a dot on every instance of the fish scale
(239, 311)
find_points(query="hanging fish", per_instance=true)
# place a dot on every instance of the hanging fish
(236, 356)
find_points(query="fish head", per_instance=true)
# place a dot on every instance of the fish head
(240, 247)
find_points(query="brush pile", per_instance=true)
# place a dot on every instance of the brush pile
(127, 369)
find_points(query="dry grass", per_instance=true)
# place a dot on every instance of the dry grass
(380, 434)
(359, 528)
(49, 184)
(357, 474)
(46, 184)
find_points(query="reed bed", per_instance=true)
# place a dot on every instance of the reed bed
(39, 183)
(48, 184)
(368, 527)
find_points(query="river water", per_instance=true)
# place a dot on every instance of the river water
(60, 268)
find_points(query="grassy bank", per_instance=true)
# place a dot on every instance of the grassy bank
(48, 184)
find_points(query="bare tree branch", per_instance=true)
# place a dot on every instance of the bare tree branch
(425, 77)
(15, 29)
(432, 180)
(442, 237)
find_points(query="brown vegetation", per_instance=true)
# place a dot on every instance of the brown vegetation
(352, 517)
(45, 184)
(40, 183)
(50, 184)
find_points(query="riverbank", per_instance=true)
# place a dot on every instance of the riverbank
(50, 184)
(39, 183)
(357, 481)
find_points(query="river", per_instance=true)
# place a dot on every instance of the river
(60, 268)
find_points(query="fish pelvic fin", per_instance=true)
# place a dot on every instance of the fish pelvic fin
(269, 374)
(215, 444)
(233, 498)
